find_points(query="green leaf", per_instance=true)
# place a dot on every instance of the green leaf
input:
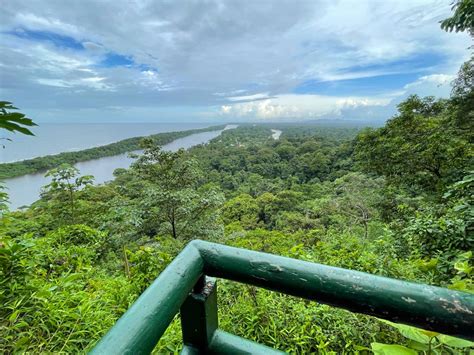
(391, 349)
(418, 335)
(412, 344)
(71, 278)
(463, 266)
(22, 341)
(14, 315)
(14, 121)
(454, 342)
(43, 294)
(360, 347)
(14, 127)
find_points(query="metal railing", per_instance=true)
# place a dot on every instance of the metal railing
(186, 286)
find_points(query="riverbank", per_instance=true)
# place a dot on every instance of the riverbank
(44, 163)
(26, 189)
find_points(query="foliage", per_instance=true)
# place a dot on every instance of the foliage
(421, 341)
(66, 283)
(394, 201)
(3, 200)
(50, 290)
(174, 203)
(462, 98)
(357, 197)
(65, 183)
(14, 121)
(462, 19)
(418, 148)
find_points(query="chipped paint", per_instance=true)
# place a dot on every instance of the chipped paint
(428, 307)
(408, 300)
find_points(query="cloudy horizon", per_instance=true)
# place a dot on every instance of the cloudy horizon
(221, 61)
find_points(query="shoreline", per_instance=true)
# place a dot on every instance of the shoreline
(44, 163)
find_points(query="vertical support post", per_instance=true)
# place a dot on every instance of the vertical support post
(199, 315)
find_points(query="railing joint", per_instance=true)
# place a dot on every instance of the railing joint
(199, 314)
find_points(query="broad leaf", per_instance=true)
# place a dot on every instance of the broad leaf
(454, 342)
(391, 349)
(418, 335)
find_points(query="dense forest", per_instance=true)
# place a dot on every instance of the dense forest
(75, 260)
(394, 201)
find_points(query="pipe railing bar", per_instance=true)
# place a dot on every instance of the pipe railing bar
(429, 307)
(142, 325)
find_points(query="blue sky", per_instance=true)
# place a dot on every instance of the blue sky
(97, 61)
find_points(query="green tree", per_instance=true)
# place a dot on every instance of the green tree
(462, 19)
(174, 202)
(462, 98)
(243, 209)
(357, 197)
(65, 183)
(447, 229)
(418, 148)
(463, 87)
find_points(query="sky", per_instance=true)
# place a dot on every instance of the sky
(223, 61)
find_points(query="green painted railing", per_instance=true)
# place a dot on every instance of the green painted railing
(186, 285)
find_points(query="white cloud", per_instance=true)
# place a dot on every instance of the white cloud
(54, 82)
(95, 83)
(152, 80)
(215, 53)
(226, 109)
(31, 20)
(438, 85)
(248, 97)
(91, 82)
(299, 106)
(436, 79)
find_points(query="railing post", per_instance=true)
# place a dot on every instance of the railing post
(199, 316)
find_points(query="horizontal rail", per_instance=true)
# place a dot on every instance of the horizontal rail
(225, 343)
(428, 307)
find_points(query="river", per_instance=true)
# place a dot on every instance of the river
(55, 138)
(24, 190)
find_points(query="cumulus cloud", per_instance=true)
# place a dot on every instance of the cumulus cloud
(438, 85)
(151, 79)
(299, 106)
(436, 79)
(219, 56)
